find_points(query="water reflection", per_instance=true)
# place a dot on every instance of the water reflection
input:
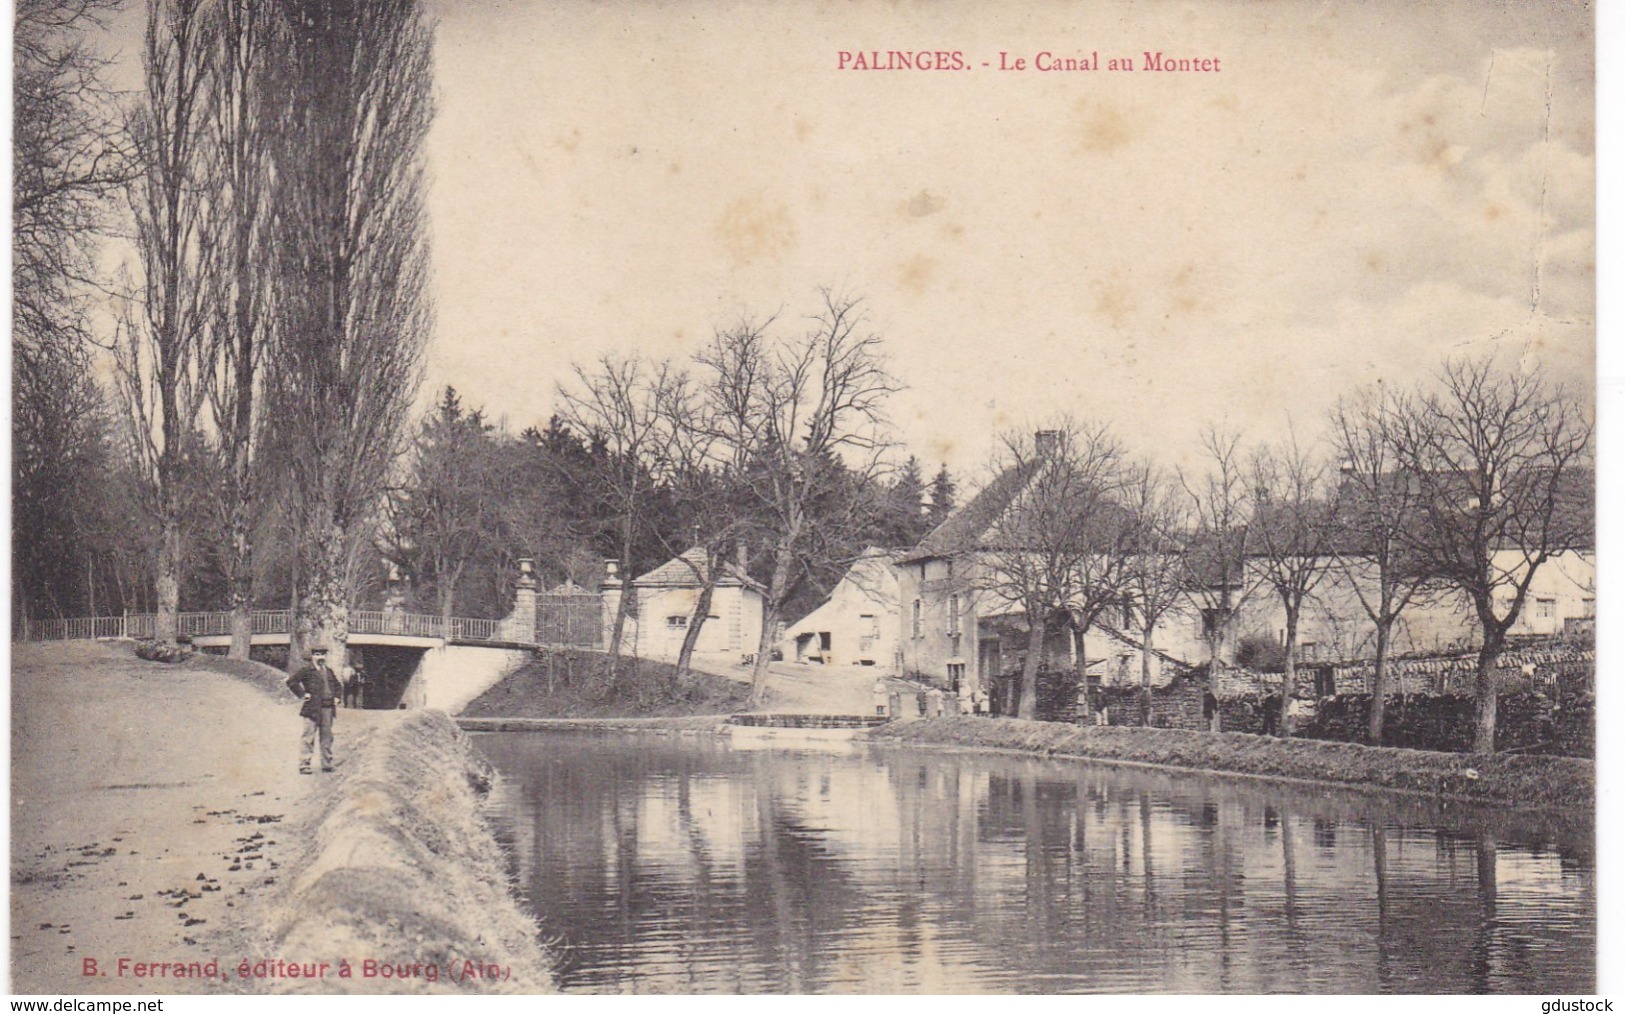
(688, 867)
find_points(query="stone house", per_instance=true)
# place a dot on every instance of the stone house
(664, 602)
(857, 623)
(956, 628)
(1334, 625)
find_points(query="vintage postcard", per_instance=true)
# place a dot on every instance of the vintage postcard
(695, 497)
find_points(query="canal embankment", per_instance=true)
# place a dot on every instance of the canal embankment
(401, 880)
(160, 829)
(1546, 783)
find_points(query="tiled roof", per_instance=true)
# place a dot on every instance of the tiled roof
(675, 573)
(964, 528)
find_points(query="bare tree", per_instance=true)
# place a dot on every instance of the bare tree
(1155, 576)
(1289, 540)
(803, 414)
(1055, 550)
(1376, 508)
(350, 100)
(70, 159)
(450, 507)
(241, 304)
(617, 402)
(1501, 463)
(159, 356)
(1216, 557)
(699, 475)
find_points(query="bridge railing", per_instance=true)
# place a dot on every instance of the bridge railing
(364, 621)
(476, 630)
(573, 624)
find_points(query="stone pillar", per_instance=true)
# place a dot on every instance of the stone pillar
(611, 591)
(395, 593)
(520, 626)
(395, 596)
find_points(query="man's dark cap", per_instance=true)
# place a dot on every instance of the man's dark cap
(317, 652)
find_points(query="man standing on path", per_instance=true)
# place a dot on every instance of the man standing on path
(318, 686)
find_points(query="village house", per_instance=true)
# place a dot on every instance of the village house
(664, 602)
(1335, 627)
(957, 629)
(954, 629)
(857, 624)
(1440, 619)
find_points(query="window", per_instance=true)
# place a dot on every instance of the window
(953, 615)
(676, 623)
(918, 620)
(1545, 609)
(1588, 607)
(956, 675)
(1309, 651)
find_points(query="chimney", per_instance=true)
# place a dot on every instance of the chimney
(1047, 442)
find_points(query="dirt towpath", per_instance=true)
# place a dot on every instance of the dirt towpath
(811, 689)
(151, 806)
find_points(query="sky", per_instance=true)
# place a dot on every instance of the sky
(1359, 191)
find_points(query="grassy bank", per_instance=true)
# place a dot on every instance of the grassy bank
(400, 868)
(587, 684)
(1536, 782)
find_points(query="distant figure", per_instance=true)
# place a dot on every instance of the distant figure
(1210, 710)
(933, 703)
(1272, 715)
(894, 701)
(355, 684)
(318, 688)
(967, 700)
(979, 701)
(880, 698)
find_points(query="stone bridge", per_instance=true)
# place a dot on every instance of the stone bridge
(411, 660)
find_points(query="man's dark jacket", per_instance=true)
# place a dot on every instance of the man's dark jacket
(320, 683)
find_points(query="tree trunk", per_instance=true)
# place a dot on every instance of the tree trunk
(446, 598)
(1085, 705)
(1289, 678)
(242, 627)
(298, 622)
(1028, 706)
(1484, 731)
(622, 609)
(624, 606)
(1145, 673)
(702, 609)
(1215, 639)
(778, 587)
(1379, 686)
(326, 595)
(166, 621)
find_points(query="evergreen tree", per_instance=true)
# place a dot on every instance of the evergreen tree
(942, 498)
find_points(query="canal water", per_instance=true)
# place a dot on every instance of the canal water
(688, 866)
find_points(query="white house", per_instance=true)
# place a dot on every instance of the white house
(858, 622)
(664, 604)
